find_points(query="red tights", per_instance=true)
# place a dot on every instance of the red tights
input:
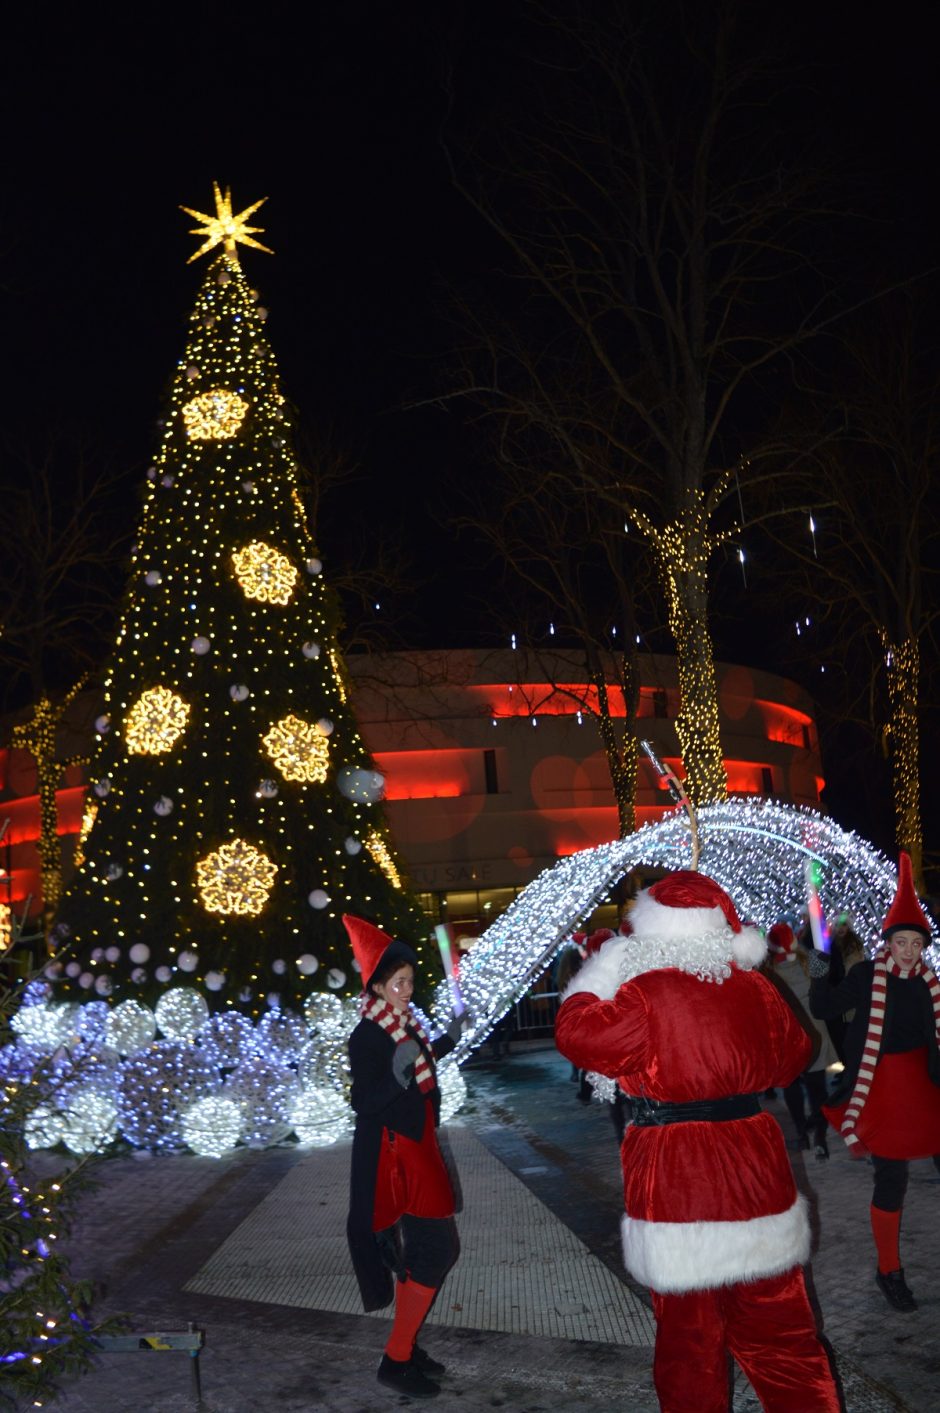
(412, 1303)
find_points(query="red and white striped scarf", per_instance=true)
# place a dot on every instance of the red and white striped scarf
(401, 1026)
(884, 966)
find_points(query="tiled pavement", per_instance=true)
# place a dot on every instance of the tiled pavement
(536, 1316)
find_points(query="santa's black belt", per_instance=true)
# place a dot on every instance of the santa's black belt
(648, 1113)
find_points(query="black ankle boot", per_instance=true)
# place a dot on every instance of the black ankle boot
(405, 1377)
(423, 1361)
(895, 1290)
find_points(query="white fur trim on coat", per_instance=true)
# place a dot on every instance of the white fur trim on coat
(677, 1256)
(708, 956)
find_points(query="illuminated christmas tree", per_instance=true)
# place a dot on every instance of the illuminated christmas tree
(234, 813)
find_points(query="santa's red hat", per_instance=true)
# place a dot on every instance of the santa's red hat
(371, 946)
(685, 905)
(781, 940)
(905, 912)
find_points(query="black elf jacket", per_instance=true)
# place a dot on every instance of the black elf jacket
(380, 1102)
(908, 1023)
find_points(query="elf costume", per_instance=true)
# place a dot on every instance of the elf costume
(401, 1214)
(693, 1034)
(887, 1105)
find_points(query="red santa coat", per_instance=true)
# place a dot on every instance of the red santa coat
(676, 1019)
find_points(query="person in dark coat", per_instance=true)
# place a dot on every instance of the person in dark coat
(887, 1105)
(401, 1210)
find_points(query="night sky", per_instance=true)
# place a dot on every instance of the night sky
(334, 112)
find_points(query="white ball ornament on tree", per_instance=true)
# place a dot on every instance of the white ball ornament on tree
(360, 785)
(314, 566)
(325, 725)
(200, 645)
(113, 872)
(152, 578)
(187, 961)
(181, 1013)
(104, 985)
(248, 486)
(311, 650)
(167, 479)
(163, 806)
(238, 692)
(268, 789)
(307, 964)
(103, 724)
(319, 899)
(97, 954)
(86, 980)
(102, 787)
(214, 980)
(163, 974)
(192, 373)
(139, 953)
(73, 968)
(335, 978)
(352, 846)
(139, 975)
(112, 954)
(279, 966)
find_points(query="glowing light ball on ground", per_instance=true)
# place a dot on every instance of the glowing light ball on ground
(280, 1037)
(129, 1027)
(89, 1117)
(212, 1126)
(181, 1013)
(155, 1089)
(319, 1117)
(227, 1039)
(264, 1092)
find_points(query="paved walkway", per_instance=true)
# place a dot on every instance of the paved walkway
(536, 1316)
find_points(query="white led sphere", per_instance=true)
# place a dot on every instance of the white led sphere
(181, 1013)
(318, 899)
(187, 961)
(200, 645)
(212, 1126)
(352, 846)
(319, 1117)
(335, 978)
(226, 1039)
(265, 1093)
(155, 1089)
(314, 566)
(307, 964)
(139, 953)
(102, 725)
(130, 1026)
(238, 692)
(91, 1020)
(322, 1011)
(273, 999)
(102, 787)
(280, 1036)
(44, 1126)
(311, 650)
(89, 1118)
(214, 980)
(325, 725)
(163, 806)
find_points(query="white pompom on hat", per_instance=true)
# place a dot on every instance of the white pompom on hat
(685, 905)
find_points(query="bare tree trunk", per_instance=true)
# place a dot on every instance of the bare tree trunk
(902, 661)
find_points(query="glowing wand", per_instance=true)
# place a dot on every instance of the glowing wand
(442, 933)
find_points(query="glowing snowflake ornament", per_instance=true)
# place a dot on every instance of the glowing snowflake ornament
(235, 879)
(299, 750)
(155, 722)
(264, 573)
(216, 415)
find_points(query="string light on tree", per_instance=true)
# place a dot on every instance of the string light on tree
(380, 852)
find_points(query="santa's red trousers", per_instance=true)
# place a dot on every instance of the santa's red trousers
(767, 1325)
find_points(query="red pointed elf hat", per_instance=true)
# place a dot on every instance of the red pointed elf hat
(370, 945)
(905, 911)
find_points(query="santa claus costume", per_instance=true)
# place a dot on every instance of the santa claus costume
(887, 1106)
(678, 1015)
(401, 1213)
